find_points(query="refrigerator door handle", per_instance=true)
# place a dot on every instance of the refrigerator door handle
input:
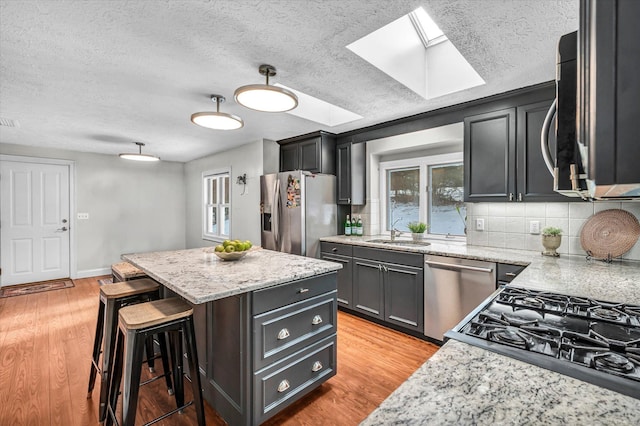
(275, 217)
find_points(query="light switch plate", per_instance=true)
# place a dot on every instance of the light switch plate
(83, 216)
(479, 224)
(534, 227)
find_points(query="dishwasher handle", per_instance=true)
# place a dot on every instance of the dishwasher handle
(459, 267)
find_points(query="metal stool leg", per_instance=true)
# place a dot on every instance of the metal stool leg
(194, 370)
(97, 346)
(134, 348)
(162, 341)
(148, 348)
(111, 321)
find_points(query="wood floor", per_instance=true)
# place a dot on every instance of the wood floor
(45, 351)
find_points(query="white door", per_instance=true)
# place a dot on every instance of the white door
(34, 222)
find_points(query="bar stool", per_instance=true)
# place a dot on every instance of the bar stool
(112, 298)
(124, 271)
(135, 324)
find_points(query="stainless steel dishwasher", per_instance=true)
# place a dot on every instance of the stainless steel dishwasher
(453, 287)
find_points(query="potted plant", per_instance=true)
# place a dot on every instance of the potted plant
(551, 240)
(417, 230)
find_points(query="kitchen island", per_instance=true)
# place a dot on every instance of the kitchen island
(465, 384)
(265, 325)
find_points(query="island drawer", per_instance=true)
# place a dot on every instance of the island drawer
(275, 297)
(336, 248)
(281, 332)
(287, 381)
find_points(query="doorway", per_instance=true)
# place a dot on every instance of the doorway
(35, 216)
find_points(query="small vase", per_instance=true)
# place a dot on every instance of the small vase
(551, 243)
(417, 237)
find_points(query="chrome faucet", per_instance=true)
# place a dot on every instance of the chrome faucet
(394, 232)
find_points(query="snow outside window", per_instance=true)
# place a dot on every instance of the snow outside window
(427, 189)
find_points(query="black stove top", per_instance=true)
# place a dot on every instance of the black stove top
(588, 339)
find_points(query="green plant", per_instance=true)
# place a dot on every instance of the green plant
(552, 231)
(417, 227)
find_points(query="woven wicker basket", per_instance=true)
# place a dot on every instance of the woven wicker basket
(609, 234)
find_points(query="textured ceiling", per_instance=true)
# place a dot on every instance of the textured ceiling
(96, 75)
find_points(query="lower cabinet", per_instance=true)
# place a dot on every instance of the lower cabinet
(389, 285)
(261, 351)
(341, 253)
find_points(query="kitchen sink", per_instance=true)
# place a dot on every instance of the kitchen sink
(400, 242)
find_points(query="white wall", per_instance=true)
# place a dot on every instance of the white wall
(507, 224)
(132, 206)
(253, 159)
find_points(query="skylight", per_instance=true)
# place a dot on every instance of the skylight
(414, 51)
(320, 111)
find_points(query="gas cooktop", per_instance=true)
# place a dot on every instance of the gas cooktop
(591, 340)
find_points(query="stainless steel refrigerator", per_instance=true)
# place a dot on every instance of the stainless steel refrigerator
(296, 209)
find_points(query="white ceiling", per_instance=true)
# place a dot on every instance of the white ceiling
(97, 75)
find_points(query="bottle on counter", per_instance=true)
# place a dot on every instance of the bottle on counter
(347, 226)
(359, 226)
(354, 226)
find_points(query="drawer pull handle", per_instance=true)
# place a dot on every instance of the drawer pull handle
(283, 334)
(335, 249)
(303, 290)
(510, 274)
(284, 385)
(317, 366)
(316, 320)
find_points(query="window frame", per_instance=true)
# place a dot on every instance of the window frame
(423, 163)
(217, 174)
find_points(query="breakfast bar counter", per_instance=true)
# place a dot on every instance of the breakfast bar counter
(265, 325)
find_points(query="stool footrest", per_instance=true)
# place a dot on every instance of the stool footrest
(170, 413)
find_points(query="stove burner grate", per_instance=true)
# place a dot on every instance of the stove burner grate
(613, 362)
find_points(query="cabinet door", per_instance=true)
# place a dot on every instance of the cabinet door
(534, 182)
(343, 172)
(489, 156)
(368, 288)
(404, 296)
(310, 156)
(289, 158)
(345, 276)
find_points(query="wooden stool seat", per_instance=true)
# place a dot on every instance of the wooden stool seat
(128, 288)
(125, 271)
(145, 315)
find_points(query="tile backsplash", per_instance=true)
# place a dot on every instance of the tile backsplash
(506, 225)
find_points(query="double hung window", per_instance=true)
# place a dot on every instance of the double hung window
(427, 189)
(216, 205)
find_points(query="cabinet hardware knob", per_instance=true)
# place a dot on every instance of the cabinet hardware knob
(519, 196)
(349, 200)
(335, 249)
(303, 290)
(316, 320)
(511, 196)
(284, 385)
(317, 366)
(384, 268)
(379, 267)
(283, 334)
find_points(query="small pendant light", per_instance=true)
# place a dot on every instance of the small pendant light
(139, 156)
(262, 97)
(217, 120)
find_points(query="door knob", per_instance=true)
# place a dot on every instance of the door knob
(64, 228)
(64, 220)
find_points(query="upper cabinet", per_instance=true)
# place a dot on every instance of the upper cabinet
(313, 152)
(350, 171)
(502, 156)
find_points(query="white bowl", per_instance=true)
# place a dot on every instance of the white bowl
(234, 255)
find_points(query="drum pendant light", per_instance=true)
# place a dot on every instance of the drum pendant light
(262, 97)
(217, 120)
(139, 156)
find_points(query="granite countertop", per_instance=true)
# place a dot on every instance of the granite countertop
(200, 276)
(573, 275)
(464, 384)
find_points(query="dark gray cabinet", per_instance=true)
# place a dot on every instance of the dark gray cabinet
(341, 253)
(608, 89)
(389, 285)
(350, 172)
(502, 156)
(506, 273)
(314, 152)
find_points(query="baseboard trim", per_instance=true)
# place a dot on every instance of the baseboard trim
(93, 273)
